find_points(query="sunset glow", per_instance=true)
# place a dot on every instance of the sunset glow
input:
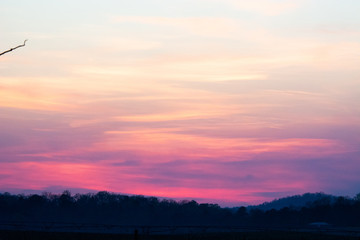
(229, 102)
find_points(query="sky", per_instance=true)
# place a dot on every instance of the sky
(224, 101)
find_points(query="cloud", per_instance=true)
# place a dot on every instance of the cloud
(4, 176)
(203, 26)
(192, 177)
(274, 195)
(212, 102)
(264, 7)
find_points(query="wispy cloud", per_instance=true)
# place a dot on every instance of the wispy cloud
(264, 7)
(203, 26)
(224, 99)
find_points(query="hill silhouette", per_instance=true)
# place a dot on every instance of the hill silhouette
(295, 202)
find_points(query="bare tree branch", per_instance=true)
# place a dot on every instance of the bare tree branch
(22, 45)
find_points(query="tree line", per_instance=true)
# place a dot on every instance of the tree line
(110, 208)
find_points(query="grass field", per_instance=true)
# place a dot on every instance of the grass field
(266, 235)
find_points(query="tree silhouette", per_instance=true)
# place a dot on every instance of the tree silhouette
(357, 197)
(110, 208)
(22, 45)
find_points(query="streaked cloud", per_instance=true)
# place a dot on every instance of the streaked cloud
(224, 101)
(265, 7)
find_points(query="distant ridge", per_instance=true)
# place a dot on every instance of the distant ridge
(296, 201)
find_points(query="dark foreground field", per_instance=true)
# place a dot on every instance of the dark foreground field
(266, 235)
